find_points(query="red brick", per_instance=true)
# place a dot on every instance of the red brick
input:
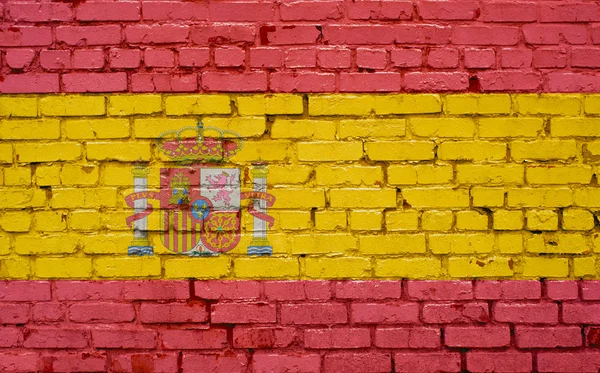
(430, 362)
(164, 82)
(224, 33)
(416, 337)
(39, 12)
(55, 338)
(357, 362)
(156, 363)
(156, 34)
(103, 11)
(370, 82)
(284, 290)
(407, 57)
(508, 362)
(49, 312)
(94, 82)
(585, 57)
(14, 313)
(263, 337)
(572, 82)
(310, 10)
(313, 314)
(234, 82)
(590, 290)
(22, 291)
(125, 58)
(124, 338)
(596, 34)
(29, 83)
(436, 81)
(159, 58)
(448, 10)
(592, 336)
(300, 58)
(509, 11)
(19, 58)
(194, 57)
(303, 362)
(509, 290)
(152, 313)
(359, 34)
(88, 290)
(547, 337)
(443, 313)
(227, 362)
(422, 34)
(568, 362)
(229, 57)
(516, 58)
(542, 313)
(440, 290)
(549, 58)
(242, 11)
(265, 57)
(318, 290)
(443, 58)
(290, 34)
(88, 59)
(366, 290)
(485, 35)
(19, 362)
(244, 290)
(562, 290)
(571, 12)
(385, 313)
(155, 290)
(11, 337)
(334, 58)
(555, 34)
(376, 9)
(55, 59)
(89, 35)
(212, 339)
(23, 36)
(302, 82)
(509, 80)
(368, 58)
(581, 313)
(337, 338)
(174, 11)
(243, 313)
(477, 336)
(479, 58)
(75, 362)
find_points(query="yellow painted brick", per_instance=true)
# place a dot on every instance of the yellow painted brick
(153, 128)
(558, 243)
(545, 267)
(362, 198)
(555, 104)
(584, 267)
(115, 220)
(18, 106)
(15, 268)
(72, 106)
(16, 176)
(508, 220)
(207, 268)
(572, 174)
(79, 175)
(349, 175)
(508, 127)
(16, 221)
(487, 197)
(365, 220)
(118, 174)
(50, 221)
(119, 151)
(490, 174)
(510, 243)
(134, 104)
(541, 220)
(262, 150)
(407, 104)
(540, 197)
(478, 104)
(413, 268)
(83, 197)
(371, 128)
(197, 104)
(437, 220)
(30, 129)
(260, 268)
(21, 198)
(322, 243)
(84, 220)
(330, 151)
(330, 220)
(577, 220)
(231, 127)
(474, 267)
(294, 174)
(587, 197)
(419, 174)
(392, 244)
(338, 268)
(47, 175)
(402, 220)
(436, 197)
(60, 268)
(591, 104)
(303, 129)
(46, 245)
(6, 153)
(471, 220)
(298, 198)
(592, 148)
(472, 151)
(105, 243)
(60, 151)
(293, 220)
(461, 243)
(442, 127)
(87, 129)
(400, 150)
(340, 104)
(270, 104)
(122, 267)
(5, 244)
(543, 150)
(571, 127)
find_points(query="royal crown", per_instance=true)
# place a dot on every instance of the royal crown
(181, 146)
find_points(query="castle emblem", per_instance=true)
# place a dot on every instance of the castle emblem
(200, 199)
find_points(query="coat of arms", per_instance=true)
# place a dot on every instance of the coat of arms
(199, 199)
